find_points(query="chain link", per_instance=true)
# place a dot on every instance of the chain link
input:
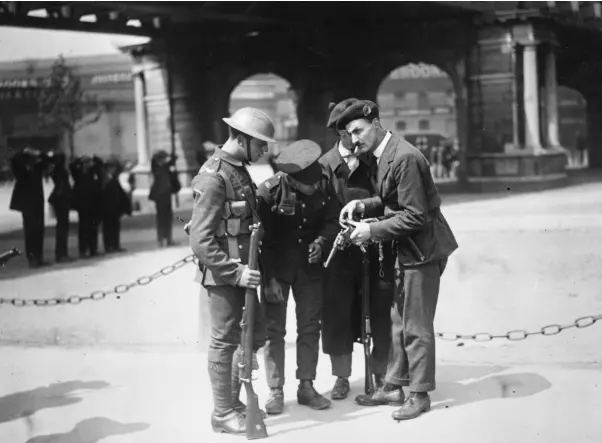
(521, 334)
(100, 295)
(516, 335)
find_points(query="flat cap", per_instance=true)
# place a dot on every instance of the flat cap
(356, 110)
(336, 109)
(300, 161)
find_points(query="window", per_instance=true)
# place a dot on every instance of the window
(423, 100)
(424, 125)
(400, 125)
(400, 95)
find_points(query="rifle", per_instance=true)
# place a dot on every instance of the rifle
(366, 328)
(6, 256)
(255, 427)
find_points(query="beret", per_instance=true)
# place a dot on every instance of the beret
(300, 161)
(359, 109)
(336, 109)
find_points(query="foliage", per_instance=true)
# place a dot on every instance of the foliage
(62, 103)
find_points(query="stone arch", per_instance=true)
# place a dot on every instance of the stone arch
(418, 100)
(273, 94)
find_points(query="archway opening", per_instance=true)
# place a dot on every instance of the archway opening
(417, 101)
(572, 126)
(273, 95)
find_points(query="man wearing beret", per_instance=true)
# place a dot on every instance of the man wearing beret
(224, 209)
(409, 204)
(341, 316)
(299, 210)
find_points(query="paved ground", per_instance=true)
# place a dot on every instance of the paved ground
(127, 370)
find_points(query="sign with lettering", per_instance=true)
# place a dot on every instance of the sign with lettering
(420, 70)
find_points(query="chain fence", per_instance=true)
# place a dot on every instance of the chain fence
(515, 335)
(100, 295)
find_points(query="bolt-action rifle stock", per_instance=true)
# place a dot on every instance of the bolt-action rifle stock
(255, 427)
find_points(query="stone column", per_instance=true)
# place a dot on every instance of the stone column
(530, 97)
(551, 99)
(141, 129)
(594, 129)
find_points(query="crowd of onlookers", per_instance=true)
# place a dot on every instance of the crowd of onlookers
(99, 190)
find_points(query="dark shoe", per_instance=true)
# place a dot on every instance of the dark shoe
(275, 403)
(340, 391)
(231, 423)
(307, 396)
(394, 397)
(65, 259)
(413, 407)
(39, 264)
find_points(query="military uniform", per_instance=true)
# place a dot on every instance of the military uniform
(224, 209)
(341, 317)
(293, 220)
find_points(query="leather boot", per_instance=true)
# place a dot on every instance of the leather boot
(238, 405)
(384, 395)
(224, 418)
(275, 403)
(307, 396)
(340, 391)
(415, 404)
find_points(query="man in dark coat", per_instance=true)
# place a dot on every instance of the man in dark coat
(409, 199)
(341, 316)
(115, 204)
(28, 168)
(299, 210)
(160, 192)
(87, 201)
(60, 199)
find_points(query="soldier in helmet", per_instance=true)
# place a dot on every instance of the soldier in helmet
(224, 209)
(299, 210)
(352, 179)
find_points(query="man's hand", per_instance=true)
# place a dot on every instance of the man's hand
(350, 209)
(272, 291)
(315, 252)
(361, 233)
(249, 278)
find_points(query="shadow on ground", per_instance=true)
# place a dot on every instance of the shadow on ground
(25, 404)
(457, 385)
(91, 430)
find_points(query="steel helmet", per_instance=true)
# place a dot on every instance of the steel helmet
(254, 123)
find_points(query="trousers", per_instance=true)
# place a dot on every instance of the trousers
(412, 354)
(225, 308)
(307, 293)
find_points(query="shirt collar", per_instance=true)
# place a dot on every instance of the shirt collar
(222, 155)
(381, 148)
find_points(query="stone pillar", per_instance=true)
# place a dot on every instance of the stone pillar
(551, 99)
(531, 98)
(312, 114)
(141, 129)
(594, 129)
(504, 150)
